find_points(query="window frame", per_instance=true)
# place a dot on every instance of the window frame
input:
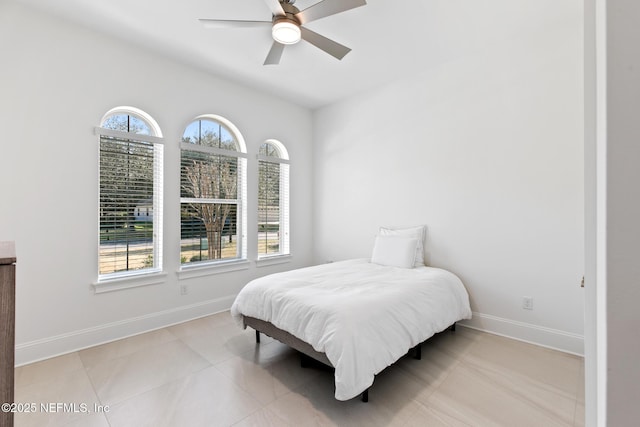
(154, 274)
(203, 268)
(282, 159)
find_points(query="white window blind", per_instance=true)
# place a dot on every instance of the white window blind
(130, 212)
(273, 200)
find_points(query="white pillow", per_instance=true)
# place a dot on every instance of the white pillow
(396, 251)
(418, 232)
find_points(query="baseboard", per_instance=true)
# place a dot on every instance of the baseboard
(534, 334)
(46, 348)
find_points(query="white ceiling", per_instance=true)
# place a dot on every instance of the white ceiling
(389, 39)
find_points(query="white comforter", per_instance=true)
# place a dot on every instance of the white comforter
(363, 316)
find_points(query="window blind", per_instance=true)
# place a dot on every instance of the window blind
(273, 206)
(130, 205)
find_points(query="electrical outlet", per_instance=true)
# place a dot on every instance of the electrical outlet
(184, 290)
(527, 303)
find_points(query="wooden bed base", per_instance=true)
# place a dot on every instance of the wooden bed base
(305, 348)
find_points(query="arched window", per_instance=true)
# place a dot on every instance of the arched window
(130, 186)
(212, 192)
(273, 199)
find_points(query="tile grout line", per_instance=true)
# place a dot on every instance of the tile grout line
(93, 387)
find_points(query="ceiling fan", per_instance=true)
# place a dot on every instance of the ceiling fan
(287, 25)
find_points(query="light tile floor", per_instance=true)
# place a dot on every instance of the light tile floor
(209, 372)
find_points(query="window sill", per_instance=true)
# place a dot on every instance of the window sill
(127, 282)
(191, 271)
(273, 260)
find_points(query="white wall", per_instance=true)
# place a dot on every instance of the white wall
(618, 140)
(613, 231)
(56, 81)
(487, 151)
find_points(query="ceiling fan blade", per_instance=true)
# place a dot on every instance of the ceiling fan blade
(275, 7)
(334, 49)
(274, 55)
(231, 23)
(327, 8)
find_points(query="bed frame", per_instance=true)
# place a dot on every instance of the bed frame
(305, 348)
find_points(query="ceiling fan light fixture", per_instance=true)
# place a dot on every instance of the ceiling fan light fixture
(286, 32)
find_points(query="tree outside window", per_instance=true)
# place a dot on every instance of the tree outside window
(209, 192)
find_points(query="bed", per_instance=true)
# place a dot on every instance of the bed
(358, 316)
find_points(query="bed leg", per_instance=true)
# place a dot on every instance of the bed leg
(365, 396)
(452, 328)
(258, 337)
(418, 349)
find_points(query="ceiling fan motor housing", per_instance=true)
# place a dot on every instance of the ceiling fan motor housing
(286, 29)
